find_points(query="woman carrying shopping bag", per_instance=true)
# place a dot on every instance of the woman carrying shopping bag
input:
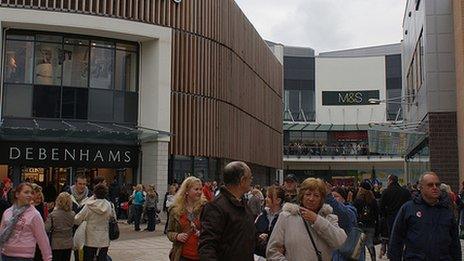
(97, 212)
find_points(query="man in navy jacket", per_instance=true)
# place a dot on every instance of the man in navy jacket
(425, 227)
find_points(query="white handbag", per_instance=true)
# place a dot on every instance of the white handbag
(79, 236)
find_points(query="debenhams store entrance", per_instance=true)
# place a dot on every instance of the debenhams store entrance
(69, 105)
(57, 164)
(54, 165)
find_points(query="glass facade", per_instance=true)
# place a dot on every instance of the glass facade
(51, 75)
(418, 163)
(394, 86)
(182, 167)
(321, 143)
(299, 89)
(379, 173)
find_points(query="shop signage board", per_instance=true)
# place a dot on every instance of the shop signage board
(68, 155)
(343, 98)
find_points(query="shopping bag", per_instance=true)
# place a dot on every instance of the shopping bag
(354, 244)
(79, 236)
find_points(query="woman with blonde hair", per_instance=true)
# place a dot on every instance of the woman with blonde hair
(150, 208)
(137, 200)
(22, 229)
(308, 231)
(184, 221)
(60, 225)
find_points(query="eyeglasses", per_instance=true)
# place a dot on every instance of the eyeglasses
(431, 185)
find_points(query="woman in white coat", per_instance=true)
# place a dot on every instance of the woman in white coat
(290, 239)
(97, 211)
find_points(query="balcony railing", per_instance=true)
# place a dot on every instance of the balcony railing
(301, 150)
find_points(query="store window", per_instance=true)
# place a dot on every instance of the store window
(52, 75)
(17, 100)
(18, 61)
(101, 67)
(47, 70)
(75, 63)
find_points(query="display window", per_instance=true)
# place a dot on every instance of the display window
(61, 76)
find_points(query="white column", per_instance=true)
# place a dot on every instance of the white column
(155, 166)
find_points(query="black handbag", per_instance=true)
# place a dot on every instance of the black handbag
(113, 227)
(318, 253)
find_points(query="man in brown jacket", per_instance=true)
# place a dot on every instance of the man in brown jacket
(228, 231)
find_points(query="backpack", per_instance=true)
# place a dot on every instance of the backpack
(365, 214)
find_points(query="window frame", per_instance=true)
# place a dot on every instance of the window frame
(32, 37)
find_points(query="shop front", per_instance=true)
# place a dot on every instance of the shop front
(54, 166)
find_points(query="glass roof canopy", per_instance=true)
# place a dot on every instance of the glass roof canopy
(47, 130)
(324, 127)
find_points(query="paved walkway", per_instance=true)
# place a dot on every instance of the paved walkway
(141, 245)
(151, 246)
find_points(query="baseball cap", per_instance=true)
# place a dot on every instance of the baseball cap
(291, 177)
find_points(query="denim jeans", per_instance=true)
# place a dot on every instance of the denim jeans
(370, 234)
(137, 216)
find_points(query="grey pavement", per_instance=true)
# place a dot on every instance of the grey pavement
(141, 245)
(153, 246)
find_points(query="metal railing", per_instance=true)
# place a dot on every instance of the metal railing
(301, 150)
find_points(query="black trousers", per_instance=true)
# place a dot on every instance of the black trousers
(91, 252)
(151, 216)
(61, 254)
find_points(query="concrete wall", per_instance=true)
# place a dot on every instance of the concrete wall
(436, 97)
(435, 20)
(458, 6)
(350, 74)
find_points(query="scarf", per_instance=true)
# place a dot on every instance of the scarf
(6, 233)
(79, 197)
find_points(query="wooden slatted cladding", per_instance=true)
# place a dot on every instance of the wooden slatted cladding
(226, 83)
(222, 21)
(220, 108)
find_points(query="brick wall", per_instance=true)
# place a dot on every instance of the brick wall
(443, 146)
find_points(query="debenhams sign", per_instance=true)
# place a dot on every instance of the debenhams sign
(60, 154)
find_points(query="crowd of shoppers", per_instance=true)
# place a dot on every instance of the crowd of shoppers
(311, 220)
(35, 229)
(314, 220)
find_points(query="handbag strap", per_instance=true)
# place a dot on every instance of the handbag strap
(318, 253)
(52, 228)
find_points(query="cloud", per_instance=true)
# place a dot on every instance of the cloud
(327, 24)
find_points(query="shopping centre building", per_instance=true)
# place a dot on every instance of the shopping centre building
(146, 91)
(337, 108)
(433, 87)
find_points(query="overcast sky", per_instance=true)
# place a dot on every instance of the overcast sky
(327, 25)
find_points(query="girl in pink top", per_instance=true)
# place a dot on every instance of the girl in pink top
(22, 228)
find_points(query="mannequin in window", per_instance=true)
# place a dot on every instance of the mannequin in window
(44, 67)
(11, 66)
